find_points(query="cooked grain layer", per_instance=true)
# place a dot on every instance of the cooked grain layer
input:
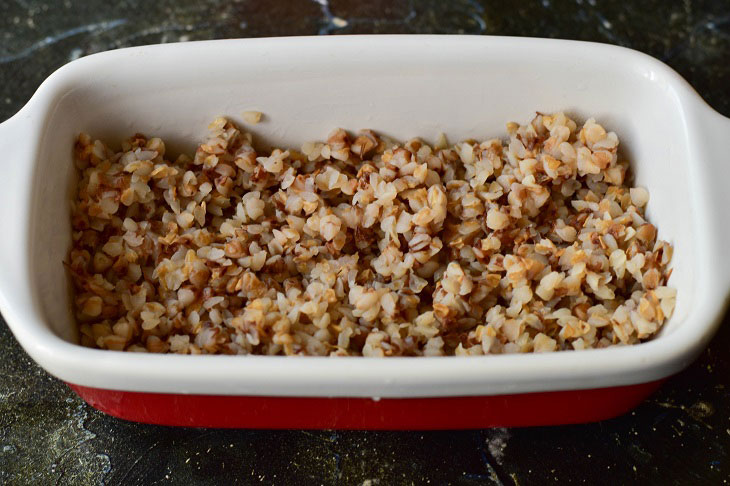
(362, 246)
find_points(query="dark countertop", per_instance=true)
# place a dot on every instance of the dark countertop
(48, 435)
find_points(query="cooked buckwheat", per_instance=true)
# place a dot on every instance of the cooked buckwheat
(362, 246)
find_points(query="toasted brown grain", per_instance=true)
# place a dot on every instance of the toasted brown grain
(360, 246)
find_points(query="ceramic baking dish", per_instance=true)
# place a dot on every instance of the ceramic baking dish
(402, 86)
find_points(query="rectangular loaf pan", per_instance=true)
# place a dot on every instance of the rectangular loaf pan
(403, 86)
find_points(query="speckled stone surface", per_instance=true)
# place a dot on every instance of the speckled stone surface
(49, 436)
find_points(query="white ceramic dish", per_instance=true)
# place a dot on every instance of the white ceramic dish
(400, 85)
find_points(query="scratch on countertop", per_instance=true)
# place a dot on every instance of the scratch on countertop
(164, 30)
(332, 21)
(497, 442)
(53, 39)
(477, 15)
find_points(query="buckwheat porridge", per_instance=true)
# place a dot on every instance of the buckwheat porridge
(362, 246)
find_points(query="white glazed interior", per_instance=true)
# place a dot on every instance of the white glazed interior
(403, 87)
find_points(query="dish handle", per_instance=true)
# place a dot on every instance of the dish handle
(16, 147)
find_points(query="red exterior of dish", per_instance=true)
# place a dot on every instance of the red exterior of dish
(524, 409)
